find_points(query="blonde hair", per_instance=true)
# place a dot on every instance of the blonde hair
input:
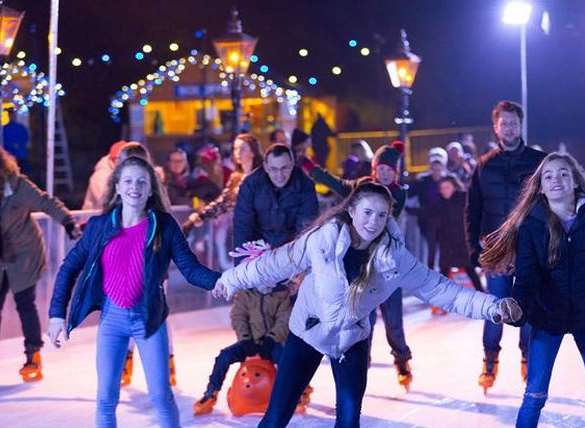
(500, 246)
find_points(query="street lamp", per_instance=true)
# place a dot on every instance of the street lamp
(402, 72)
(518, 13)
(235, 49)
(10, 20)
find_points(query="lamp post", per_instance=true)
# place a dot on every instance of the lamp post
(10, 20)
(402, 71)
(518, 13)
(235, 49)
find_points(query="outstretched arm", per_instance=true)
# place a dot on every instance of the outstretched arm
(270, 268)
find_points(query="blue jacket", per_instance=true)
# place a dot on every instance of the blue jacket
(274, 215)
(163, 233)
(552, 298)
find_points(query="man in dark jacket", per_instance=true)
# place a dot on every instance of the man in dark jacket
(494, 189)
(275, 202)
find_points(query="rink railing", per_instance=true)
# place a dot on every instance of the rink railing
(181, 297)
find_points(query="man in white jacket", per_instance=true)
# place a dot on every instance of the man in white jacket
(98, 182)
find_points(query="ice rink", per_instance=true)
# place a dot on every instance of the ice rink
(447, 357)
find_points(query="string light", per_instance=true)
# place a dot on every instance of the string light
(352, 43)
(336, 70)
(303, 52)
(365, 51)
(21, 55)
(312, 81)
(292, 79)
(147, 49)
(76, 62)
(174, 47)
(139, 56)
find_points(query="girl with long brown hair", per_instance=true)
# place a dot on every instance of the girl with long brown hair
(123, 258)
(543, 243)
(352, 264)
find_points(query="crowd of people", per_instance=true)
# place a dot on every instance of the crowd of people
(308, 282)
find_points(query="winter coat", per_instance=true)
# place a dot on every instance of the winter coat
(552, 298)
(98, 184)
(255, 315)
(274, 215)
(494, 189)
(22, 255)
(344, 187)
(165, 241)
(451, 232)
(321, 315)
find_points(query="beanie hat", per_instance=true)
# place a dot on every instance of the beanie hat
(115, 149)
(298, 137)
(389, 154)
(456, 145)
(438, 154)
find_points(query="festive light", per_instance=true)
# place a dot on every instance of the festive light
(106, 58)
(174, 47)
(292, 79)
(141, 90)
(139, 56)
(264, 68)
(58, 51)
(21, 55)
(303, 52)
(147, 49)
(312, 81)
(365, 51)
(352, 43)
(76, 62)
(254, 58)
(336, 70)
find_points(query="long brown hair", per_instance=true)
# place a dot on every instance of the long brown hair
(340, 214)
(254, 146)
(8, 167)
(155, 201)
(500, 246)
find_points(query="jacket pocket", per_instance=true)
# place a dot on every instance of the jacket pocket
(311, 322)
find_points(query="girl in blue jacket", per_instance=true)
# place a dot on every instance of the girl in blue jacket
(123, 258)
(543, 242)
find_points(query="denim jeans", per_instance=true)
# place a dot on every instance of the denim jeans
(501, 286)
(235, 354)
(298, 364)
(116, 327)
(392, 315)
(541, 358)
(28, 314)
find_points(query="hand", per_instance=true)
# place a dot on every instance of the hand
(219, 291)
(507, 310)
(249, 346)
(56, 327)
(307, 164)
(73, 230)
(250, 250)
(196, 219)
(266, 348)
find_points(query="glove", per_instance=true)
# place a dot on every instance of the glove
(266, 348)
(56, 327)
(505, 310)
(250, 250)
(249, 347)
(72, 229)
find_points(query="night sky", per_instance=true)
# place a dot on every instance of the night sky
(470, 59)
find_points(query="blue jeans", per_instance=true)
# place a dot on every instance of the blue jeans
(116, 327)
(392, 315)
(501, 286)
(298, 364)
(541, 358)
(235, 353)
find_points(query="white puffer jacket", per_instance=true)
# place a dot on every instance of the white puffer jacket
(321, 315)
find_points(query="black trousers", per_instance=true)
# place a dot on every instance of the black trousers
(28, 313)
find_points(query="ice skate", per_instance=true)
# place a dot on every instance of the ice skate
(488, 374)
(205, 404)
(128, 367)
(31, 371)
